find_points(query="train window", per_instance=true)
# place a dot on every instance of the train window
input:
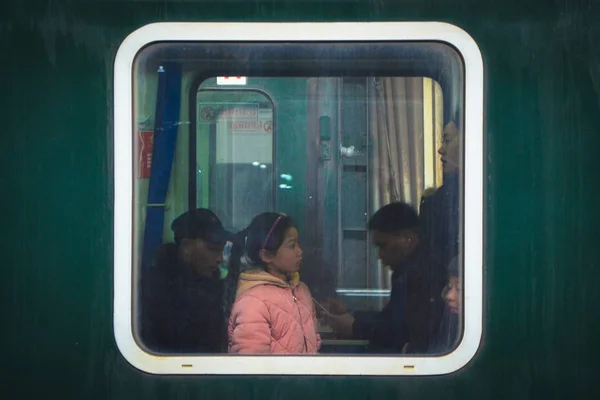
(350, 153)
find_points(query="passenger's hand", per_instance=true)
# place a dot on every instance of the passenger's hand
(320, 310)
(336, 307)
(341, 324)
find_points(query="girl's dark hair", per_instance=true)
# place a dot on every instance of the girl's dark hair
(266, 231)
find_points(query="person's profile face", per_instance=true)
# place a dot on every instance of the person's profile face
(453, 295)
(288, 257)
(206, 256)
(389, 248)
(449, 151)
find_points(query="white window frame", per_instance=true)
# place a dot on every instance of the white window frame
(305, 32)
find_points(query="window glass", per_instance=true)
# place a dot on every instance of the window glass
(235, 150)
(298, 198)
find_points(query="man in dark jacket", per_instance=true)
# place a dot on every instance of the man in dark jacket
(440, 209)
(182, 293)
(411, 318)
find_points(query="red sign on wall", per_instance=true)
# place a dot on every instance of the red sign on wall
(145, 146)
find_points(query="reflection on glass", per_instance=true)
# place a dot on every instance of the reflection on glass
(331, 152)
(238, 126)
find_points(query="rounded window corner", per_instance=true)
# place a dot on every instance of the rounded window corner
(133, 353)
(462, 356)
(130, 344)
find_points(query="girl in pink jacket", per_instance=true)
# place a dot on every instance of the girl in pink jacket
(273, 311)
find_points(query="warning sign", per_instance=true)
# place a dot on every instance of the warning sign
(231, 112)
(268, 126)
(208, 114)
(145, 147)
(245, 126)
(251, 127)
(240, 142)
(262, 126)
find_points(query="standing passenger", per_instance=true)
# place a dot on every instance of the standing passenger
(273, 311)
(439, 210)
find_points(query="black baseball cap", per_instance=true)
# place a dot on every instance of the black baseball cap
(200, 224)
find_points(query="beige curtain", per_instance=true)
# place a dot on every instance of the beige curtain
(406, 129)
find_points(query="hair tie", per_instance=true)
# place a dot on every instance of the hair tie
(246, 263)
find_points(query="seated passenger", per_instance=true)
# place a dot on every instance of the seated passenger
(411, 318)
(273, 311)
(450, 325)
(182, 293)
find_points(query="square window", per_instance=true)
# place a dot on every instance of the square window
(328, 123)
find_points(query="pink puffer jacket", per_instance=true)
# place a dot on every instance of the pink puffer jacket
(272, 316)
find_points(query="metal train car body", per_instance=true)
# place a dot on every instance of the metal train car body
(64, 158)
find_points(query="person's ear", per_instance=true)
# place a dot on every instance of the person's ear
(405, 241)
(408, 240)
(266, 256)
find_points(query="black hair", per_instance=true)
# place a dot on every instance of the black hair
(453, 269)
(456, 119)
(394, 218)
(452, 111)
(265, 232)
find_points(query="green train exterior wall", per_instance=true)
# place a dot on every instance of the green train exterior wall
(542, 122)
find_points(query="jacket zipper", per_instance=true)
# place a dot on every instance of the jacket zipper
(300, 315)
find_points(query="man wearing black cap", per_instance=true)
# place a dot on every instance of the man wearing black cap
(182, 293)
